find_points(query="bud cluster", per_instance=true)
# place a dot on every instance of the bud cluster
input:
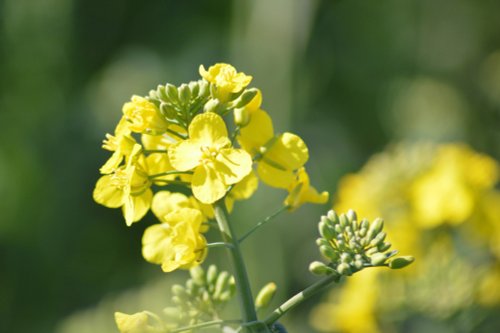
(350, 246)
(203, 295)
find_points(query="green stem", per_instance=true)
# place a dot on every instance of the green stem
(220, 244)
(261, 223)
(205, 324)
(299, 298)
(173, 172)
(179, 135)
(240, 272)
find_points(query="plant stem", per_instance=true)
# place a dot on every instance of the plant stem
(220, 244)
(261, 223)
(206, 324)
(240, 272)
(173, 172)
(299, 298)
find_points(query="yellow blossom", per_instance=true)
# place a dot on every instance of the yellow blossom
(165, 202)
(176, 243)
(209, 154)
(144, 116)
(300, 192)
(135, 323)
(121, 144)
(128, 187)
(242, 190)
(225, 78)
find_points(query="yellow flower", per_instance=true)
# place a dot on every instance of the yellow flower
(242, 190)
(144, 116)
(176, 243)
(279, 156)
(301, 192)
(209, 153)
(226, 79)
(135, 323)
(121, 144)
(128, 187)
(165, 202)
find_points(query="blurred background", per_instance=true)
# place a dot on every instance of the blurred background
(352, 77)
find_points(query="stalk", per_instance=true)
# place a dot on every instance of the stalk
(240, 273)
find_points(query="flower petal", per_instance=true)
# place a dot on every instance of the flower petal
(207, 186)
(257, 133)
(233, 165)
(165, 202)
(288, 151)
(106, 194)
(207, 128)
(273, 176)
(136, 206)
(185, 155)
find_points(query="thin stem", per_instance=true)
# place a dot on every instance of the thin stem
(240, 272)
(172, 172)
(261, 223)
(205, 324)
(153, 151)
(299, 298)
(220, 244)
(179, 135)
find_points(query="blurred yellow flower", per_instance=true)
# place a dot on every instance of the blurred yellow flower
(128, 187)
(135, 323)
(176, 243)
(301, 192)
(208, 151)
(144, 116)
(226, 79)
(121, 144)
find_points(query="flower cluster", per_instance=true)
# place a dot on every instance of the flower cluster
(351, 246)
(440, 203)
(181, 140)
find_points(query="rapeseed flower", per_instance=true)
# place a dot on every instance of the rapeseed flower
(226, 79)
(209, 154)
(165, 202)
(176, 243)
(128, 187)
(144, 116)
(121, 144)
(135, 323)
(301, 191)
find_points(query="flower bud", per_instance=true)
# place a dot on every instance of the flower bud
(168, 111)
(245, 98)
(211, 106)
(319, 268)
(198, 275)
(265, 295)
(378, 239)
(400, 262)
(194, 88)
(378, 259)
(328, 252)
(344, 269)
(332, 216)
(184, 94)
(326, 231)
(221, 284)
(343, 221)
(241, 117)
(172, 93)
(211, 274)
(351, 215)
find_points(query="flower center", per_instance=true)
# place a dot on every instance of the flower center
(209, 153)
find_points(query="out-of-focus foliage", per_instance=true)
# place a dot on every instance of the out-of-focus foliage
(441, 204)
(354, 74)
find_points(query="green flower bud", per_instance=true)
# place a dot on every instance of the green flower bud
(204, 88)
(378, 239)
(378, 259)
(245, 98)
(344, 222)
(225, 296)
(400, 262)
(221, 284)
(332, 216)
(168, 111)
(344, 269)
(265, 295)
(241, 117)
(351, 215)
(184, 94)
(212, 274)
(358, 264)
(161, 92)
(322, 241)
(194, 88)
(328, 252)
(198, 275)
(326, 231)
(384, 246)
(172, 93)
(180, 292)
(319, 268)
(212, 106)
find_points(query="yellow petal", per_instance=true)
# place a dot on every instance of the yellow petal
(233, 165)
(192, 217)
(207, 128)
(158, 163)
(245, 188)
(185, 155)
(288, 151)
(155, 240)
(165, 202)
(112, 163)
(273, 176)
(107, 194)
(134, 323)
(136, 206)
(257, 133)
(207, 186)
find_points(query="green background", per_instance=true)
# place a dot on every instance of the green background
(348, 76)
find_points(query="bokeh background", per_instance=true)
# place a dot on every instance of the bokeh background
(349, 76)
